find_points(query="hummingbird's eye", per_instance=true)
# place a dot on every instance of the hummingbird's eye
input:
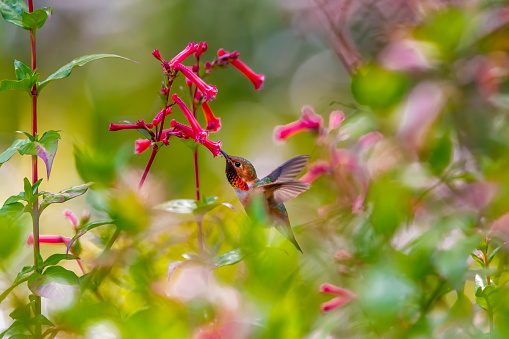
(237, 164)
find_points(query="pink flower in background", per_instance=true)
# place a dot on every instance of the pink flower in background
(309, 121)
(141, 145)
(69, 215)
(343, 296)
(407, 55)
(369, 139)
(256, 79)
(316, 170)
(213, 123)
(49, 239)
(208, 91)
(335, 119)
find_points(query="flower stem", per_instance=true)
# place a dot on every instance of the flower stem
(35, 177)
(149, 164)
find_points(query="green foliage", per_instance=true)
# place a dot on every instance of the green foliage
(12, 11)
(63, 195)
(36, 19)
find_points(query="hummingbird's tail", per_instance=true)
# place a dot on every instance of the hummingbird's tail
(286, 230)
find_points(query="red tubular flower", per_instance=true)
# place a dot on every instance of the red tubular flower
(213, 147)
(49, 239)
(190, 49)
(158, 56)
(344, 296)
(213, 123)
(309, 120)
(139, 125)
(200, 132)
(208, 91)
(256, 79)
(141, 145)
(159, 117)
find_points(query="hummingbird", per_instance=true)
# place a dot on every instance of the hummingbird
(276, 188)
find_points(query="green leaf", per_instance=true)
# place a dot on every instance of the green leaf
(15, 198)
(15, 147)
(45, 148)
(36, 19)
(38, 260)
(477, 259)
(55, 283)
(440, 154)
(87, 228)
(12, 227)
(28, 135)
(56, 258)
(229, 258)
(22, 70)
(64, 195)
(12, 10)
(65, 70)
(20, 278)
(29, 196)
(487, 297)
(492, 255)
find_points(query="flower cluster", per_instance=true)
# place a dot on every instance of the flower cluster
(201, 94)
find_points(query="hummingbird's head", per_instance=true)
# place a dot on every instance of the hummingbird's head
(239, 171)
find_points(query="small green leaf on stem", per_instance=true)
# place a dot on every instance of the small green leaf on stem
(55, 283)
(15, 147)
(56, 258)
(66, 70)
(87, 228)
(64, 195)
(492, 255)
(36, 19)
(38, 260)
(45, 148)
(22, 70)
(229, 258)
(12, 10)
(477, 259)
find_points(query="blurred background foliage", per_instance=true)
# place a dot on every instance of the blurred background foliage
(406, 215)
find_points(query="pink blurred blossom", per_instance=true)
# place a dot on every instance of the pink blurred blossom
(344, 296)
(420, 110)
(316, 169)
(141, 145)
(335, 119)
(407, 55)
(369, 139)
(69, 215)
(309, 120)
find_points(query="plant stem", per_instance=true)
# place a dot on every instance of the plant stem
(149, 164)
(196, 175)
(35, 177)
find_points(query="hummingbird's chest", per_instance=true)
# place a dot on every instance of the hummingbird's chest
(246, 196)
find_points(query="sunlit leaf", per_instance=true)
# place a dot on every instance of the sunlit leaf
(56, 258)
(440, 153)
(477, 259)
(66, 70)
(64, 195)
(22, 71)
(12, 9)
(20, 278)
(229, 258)
(492, 255)
(87, 228)
(12, 227)
(55, 283)
(183, 206)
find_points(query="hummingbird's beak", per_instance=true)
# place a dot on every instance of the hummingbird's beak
(224, 154)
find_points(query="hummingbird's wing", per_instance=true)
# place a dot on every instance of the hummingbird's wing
(288, 171)
(281, 192)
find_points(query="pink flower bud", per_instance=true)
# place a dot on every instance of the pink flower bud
(213, 123)
(335, 119)
(369, 139)
(159, 117)
(116, 127)
(49, 239)
(344, 296)
(208, 91)
(157, 55)
(141, 145)
(202, 48)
